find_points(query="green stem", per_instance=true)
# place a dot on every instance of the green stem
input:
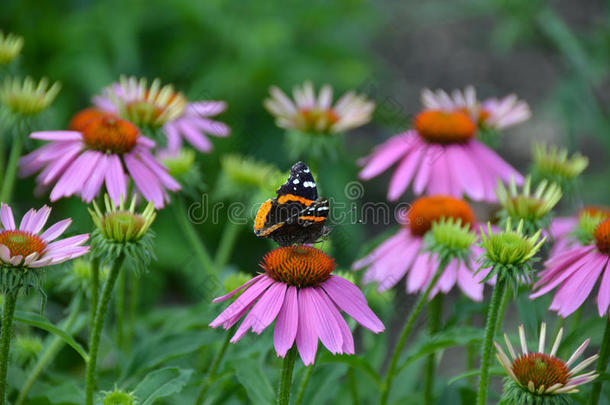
(402, 340)
(602, 364)
(303, 387)
(10, 301)
(435, 310)
(471, 354)
(506, 297)
(283, 397)
(227, 242)
(94, 293)
(120, 310)
(134, 298)
(11, 168)
(353, 388)
(189, 231)
(51, 350)
(98, 325)
(214, 367)
(490, 331)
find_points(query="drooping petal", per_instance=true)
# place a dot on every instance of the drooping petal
(287, 323)
(307, 332)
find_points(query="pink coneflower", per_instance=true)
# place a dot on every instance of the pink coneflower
(163, 107)
(491, 113)
(540, 375)
(566, 231)
(94, 152)
(26, 247)
(300, 293)
(402, 253)
(576, 272)
(440, 156)
(311, 114)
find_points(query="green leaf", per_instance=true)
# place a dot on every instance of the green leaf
(458, 336)
(356, 363)
(162, 383)
(250, 375)
(43, 323)
(497, 371)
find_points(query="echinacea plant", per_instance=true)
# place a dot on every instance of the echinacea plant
(121, 235)
(24, 252)
(299, 292)
(10, 47)
(449, 239)
(531, 206)
(538, 378)
(157, 107)
(553, 164)
(313, 121)
(508, 256)
(27, 98)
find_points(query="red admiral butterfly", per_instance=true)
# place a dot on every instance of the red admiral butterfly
(297, 215)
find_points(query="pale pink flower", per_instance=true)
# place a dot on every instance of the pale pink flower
(163, 107)
(402, 254)
(299, 292)
(95, 153)
(28, 247)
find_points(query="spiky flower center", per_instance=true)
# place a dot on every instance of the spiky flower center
(299, 266)
(427, 210)
(526, 206)
(444, 126)
(602, 236)
(154, 109)
(22, 243)
(82, 118)
(317, 119)
(540, 369)
(110, 134)
(122, 225)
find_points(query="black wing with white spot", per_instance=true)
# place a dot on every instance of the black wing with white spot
(300, 183)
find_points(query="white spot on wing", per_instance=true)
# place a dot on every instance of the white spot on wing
(309, 184)
(295, 181)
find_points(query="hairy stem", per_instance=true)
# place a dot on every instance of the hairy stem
(283, 397)
(602, 364)
(10, 301)
(94, 292)
(98, 325)
(120, 311)
(490, 330)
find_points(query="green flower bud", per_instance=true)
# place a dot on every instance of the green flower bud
(10, 47)
(26, 98)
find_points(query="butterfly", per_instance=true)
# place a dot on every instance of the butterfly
(297, 215)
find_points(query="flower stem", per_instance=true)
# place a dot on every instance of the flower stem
(11, 168)
(189, 231)
(402, 340)
(10, 301)
(94, 293)
(283, 397)
(227, 241)
(303, 387)
(120, 310)
(51, 350)
(506, 296)
(134, 299)
(490, 330)
(602, 364)
(435, 310)
(98, 325)
(214, 367)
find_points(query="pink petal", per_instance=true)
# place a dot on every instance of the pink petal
(603, 296)
(328, 329)
(39, 220)
(232, 293)
(57, 135)
(94, 183)
(243, 301)
(287, 322)
(307, 332)
(6, 215)
(56, 230)
(386, 154)
(404, 173)
(346, 334)
(351, 300)
(115, 179)
(263, 312)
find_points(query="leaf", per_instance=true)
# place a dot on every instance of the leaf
(497, 371)
(43, 323)
(250, 375)
(162, 383)
(458, 336)
(355, 363)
